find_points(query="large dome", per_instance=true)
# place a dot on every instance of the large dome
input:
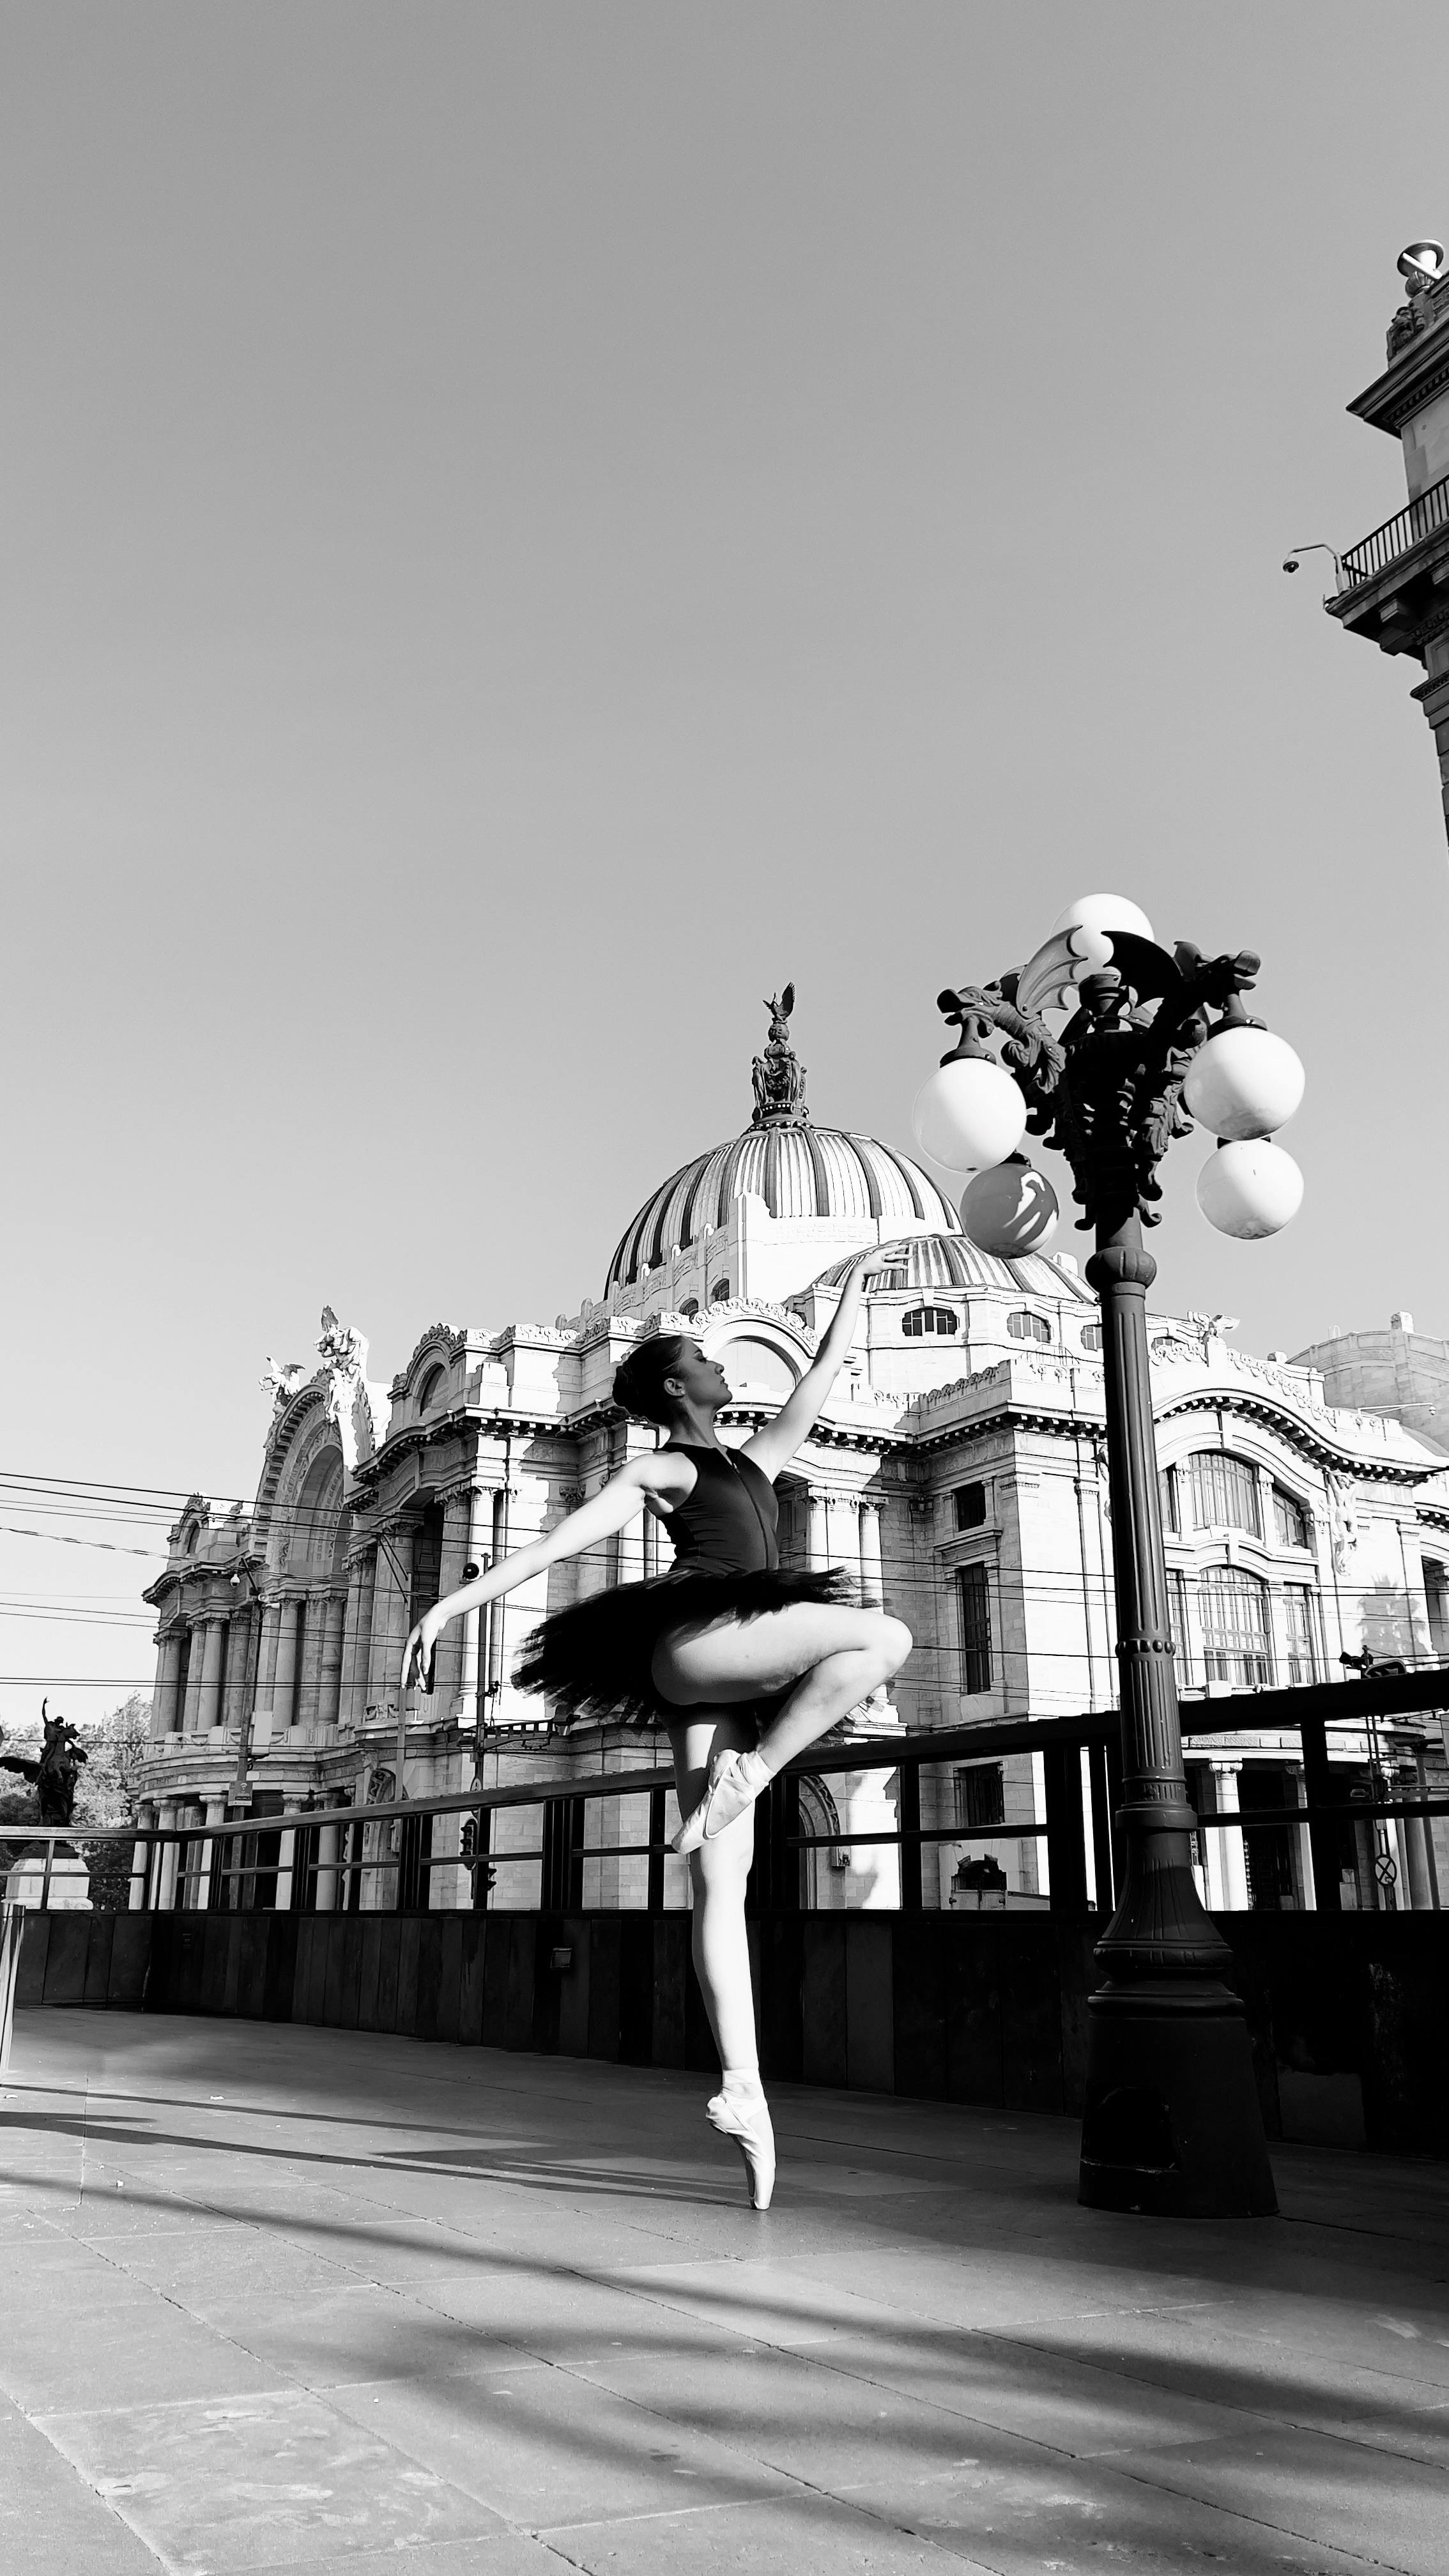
(783, 1158)
(797, 1171)
(954, 1261)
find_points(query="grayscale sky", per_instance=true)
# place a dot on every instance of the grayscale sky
(527, 526)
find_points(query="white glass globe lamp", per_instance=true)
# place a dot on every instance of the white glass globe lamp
(1244, 1082)
(969, 1115)
(1249, 1188)
(1103, 912)
(1010, 1210)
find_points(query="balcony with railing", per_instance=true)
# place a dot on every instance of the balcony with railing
(1399, 535)
(1395, 575)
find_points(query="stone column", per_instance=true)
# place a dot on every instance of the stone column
(284, 1680)
(215, 1818)
(872, 1582)
(819, 1529)
(872, 1576)
(497, 1610)
(309, 1661)
(166, 1714)
(1227, 1865)
(356, 1639)
(195, 1660)
(329, 1666)
(141, 1857)
(267, 1654)
(457, 1532)
(208, 1705)
(328, 1879)
(242, 1630)
(389, 1626)
(480, 1530)
(166, 1887)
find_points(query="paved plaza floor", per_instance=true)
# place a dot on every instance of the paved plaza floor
(291, 2298)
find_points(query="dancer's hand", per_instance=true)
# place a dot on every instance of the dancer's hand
(420, 1650)
(880, 1256)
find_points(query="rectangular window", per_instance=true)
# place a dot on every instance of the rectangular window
(1436, 1597)
(1224, 1492)
(1237, 1640)
(980, 1796)
(1167, 1498)
(975, 1629)
(1290, 1520)
(426, 1570)
(1301, 1606)
(970, 1507)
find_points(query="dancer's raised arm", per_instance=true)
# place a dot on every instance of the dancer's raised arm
(773, 1447)
(664, 1476)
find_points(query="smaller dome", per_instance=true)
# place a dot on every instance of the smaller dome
(953, 1261)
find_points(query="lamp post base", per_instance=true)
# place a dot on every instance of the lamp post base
(1172, 2126)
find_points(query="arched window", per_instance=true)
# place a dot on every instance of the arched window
(1091, 1337)
(1237, 1639)
(431, 1387)
(1290, 1519)
(756, 1368)
(929, 1319)
(719, 1292)
(690, 1306)
(1224, 1492)
(1024, 1326)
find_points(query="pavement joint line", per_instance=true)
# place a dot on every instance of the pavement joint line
(39, 2424)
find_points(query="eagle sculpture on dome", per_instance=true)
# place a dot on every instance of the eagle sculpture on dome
(778, 1075)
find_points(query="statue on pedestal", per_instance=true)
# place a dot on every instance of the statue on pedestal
(55, 1776)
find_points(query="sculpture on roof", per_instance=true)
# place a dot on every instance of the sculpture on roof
(778, 1075)
(282, 1380)
(350, 1401)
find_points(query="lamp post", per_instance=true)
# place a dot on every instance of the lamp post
(1171, 2122)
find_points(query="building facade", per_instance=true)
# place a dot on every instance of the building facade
(958, 1472)
(1391, 586)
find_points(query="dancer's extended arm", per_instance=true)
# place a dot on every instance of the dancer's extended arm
(773, 1447)
(666, 1476)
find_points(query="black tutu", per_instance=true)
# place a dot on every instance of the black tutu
(593, 1660)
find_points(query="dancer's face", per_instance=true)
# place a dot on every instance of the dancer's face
(699, 1382)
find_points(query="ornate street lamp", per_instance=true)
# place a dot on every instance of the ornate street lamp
(1172, 2123)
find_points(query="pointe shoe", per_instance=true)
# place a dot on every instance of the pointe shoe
(729, 1794)
(748, 2122)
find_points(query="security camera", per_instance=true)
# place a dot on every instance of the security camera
(1292, 564)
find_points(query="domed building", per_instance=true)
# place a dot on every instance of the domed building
(958, 1471)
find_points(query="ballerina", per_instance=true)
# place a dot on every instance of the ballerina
(744, 1662)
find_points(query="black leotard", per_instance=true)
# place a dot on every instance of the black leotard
(728, 1524)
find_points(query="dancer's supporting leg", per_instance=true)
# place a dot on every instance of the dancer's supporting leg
(835, 1658)
(720, 1945)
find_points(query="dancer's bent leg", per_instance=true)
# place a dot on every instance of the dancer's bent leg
(835, 1658)
(720, 1945)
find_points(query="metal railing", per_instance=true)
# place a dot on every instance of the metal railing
(251, 1863)
(1398, 535)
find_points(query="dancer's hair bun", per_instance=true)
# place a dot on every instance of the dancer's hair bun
(639, 1380)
